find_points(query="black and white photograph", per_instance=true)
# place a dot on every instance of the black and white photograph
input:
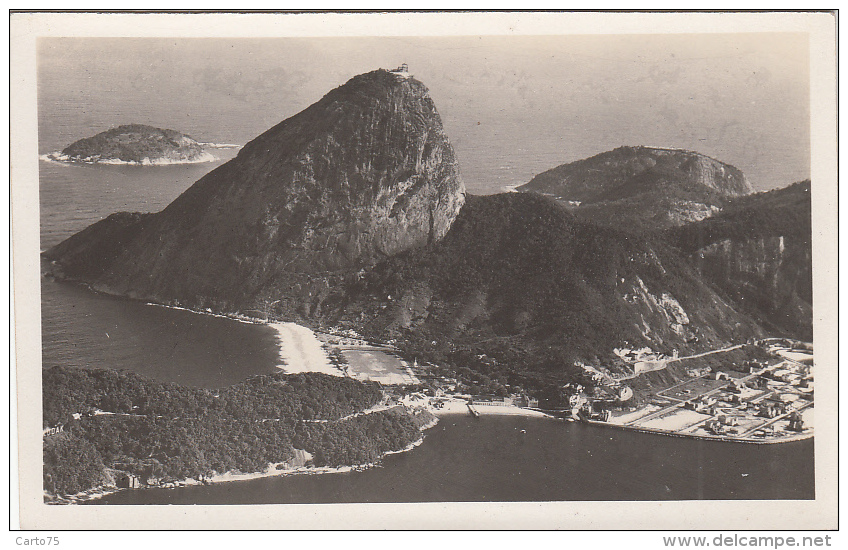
(447, 258)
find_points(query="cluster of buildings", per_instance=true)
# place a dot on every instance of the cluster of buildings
(348, 337)
(644, 359)
(640, 355)
(769, 394)
(509, 401)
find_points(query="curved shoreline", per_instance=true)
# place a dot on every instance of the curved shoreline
(227, 477)
(460, 409)
(57, 157)
(301, 351)
(729, 439)
(452, 407)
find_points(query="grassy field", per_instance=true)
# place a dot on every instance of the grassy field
(377, 366)
(692, 388)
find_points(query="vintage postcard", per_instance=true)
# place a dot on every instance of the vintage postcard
(425, 270)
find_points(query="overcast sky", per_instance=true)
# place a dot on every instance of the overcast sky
(519, 103)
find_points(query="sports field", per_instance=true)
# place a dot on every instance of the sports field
(378, 366)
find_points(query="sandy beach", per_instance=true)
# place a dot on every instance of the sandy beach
(795, 355)
(622, 419)
(675, 421)
(301, 351)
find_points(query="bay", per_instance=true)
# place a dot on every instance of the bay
(490, 459)
(461, 459)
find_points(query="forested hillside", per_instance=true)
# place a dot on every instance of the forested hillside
(127, 423)
(758, 251)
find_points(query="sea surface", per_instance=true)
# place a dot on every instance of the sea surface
(461, 459)
(490, 459)
(86, 329)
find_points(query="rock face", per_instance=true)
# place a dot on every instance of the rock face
(758, 250)
(364, 173)
(135, 144)
(518, 270)
(644, 187)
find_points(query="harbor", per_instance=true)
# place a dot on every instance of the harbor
(753, 401)
(750, 402)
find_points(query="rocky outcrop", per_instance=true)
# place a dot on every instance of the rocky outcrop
(363, 174)
(353, 212)
(758, 251)
(645, 187)
(518, 271)
(135, 144)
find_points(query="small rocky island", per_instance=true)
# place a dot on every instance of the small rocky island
(135, 144)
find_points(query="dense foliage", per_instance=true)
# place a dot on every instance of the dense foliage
(359, 440)
(785, 212)
(71, 464)
(134, 143)
(519, 290)
(758, 252)
(642, 188)
(167, 431)
(297, 396)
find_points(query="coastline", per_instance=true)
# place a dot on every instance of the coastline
(271, 470)
(460, 406)
(456, 409)
(241, 318)
(668, 427)
(57, 157)
(309, 350)
(301, 351)
(219, 145)
(709, 437)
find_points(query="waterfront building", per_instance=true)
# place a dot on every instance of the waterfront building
(728, 420)
(495, 400)
(127, 481)
(796, 422)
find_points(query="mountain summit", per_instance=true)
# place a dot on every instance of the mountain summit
(643, 186)
(364, 173)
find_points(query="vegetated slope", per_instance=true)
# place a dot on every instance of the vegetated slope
(135, 143)
(758, 251)
(163, 432)
(362, 174)
(519, 278)
(642, 187)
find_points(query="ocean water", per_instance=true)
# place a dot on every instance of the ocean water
(86, 329)
(490, 459)
(462, 459)
(65, 117)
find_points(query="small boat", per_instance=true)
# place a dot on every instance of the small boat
(524, 431)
